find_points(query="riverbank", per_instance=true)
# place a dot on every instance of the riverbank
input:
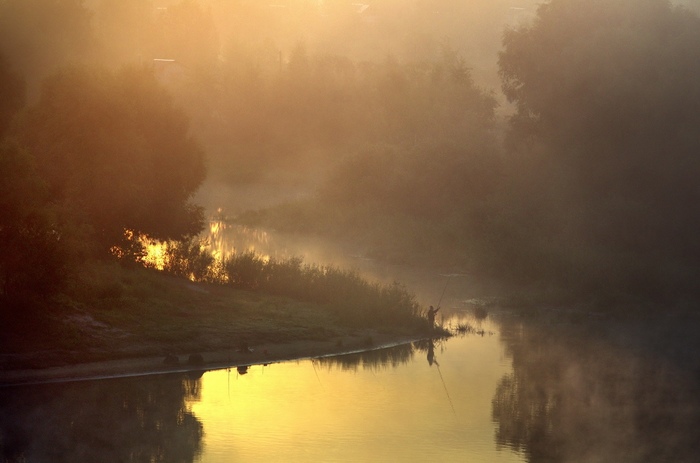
(133, 321)
(198, 362)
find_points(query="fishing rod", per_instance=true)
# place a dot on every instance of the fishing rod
(449, 277)
(443, 290)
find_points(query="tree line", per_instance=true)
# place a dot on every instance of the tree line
(590, 188)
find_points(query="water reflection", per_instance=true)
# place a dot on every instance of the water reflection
(138, 419)
(536, 391)
(430, 349)
(371, 360)
(384, 405)
(574, 395)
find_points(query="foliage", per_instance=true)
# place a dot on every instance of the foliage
(114, 147)
(189, 258)
(422, 158)
(34, 258)
(595, 190)
(606, 96)
(32, 254)
(317, 108)
(353, 299)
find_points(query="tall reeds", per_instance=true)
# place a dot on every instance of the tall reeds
(354, 300)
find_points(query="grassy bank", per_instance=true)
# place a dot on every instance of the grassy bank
(116, 312)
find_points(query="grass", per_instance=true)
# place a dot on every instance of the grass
(344, 293)
(116, 311)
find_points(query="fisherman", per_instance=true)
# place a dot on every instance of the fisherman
(431, 315)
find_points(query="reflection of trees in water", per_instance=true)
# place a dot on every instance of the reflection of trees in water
(573, 397)
(382, 358)
(374, 359)
(523, 412)
(138, 419)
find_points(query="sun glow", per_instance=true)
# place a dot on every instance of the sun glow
(221, 241)
(155, 253)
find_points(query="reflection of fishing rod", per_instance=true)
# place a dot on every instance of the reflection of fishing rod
(313, 364)
(449, 399)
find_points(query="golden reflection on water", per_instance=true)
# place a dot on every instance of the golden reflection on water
(326, 411)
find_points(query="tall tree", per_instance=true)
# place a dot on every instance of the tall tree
(115, 149)
(607, 98)
(31, 250)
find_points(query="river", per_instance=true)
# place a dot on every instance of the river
(505, 390)
(511, 386)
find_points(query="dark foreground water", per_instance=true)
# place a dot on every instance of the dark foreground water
(508, 389)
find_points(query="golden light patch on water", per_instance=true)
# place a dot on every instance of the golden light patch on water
(313, 411)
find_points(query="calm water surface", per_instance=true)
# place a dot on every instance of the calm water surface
(517, 392)
(390, 405)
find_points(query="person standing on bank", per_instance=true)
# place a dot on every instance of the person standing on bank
(431, 315)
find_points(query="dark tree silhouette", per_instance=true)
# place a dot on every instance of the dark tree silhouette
(32, 256)
(113, 147)
(607, 100)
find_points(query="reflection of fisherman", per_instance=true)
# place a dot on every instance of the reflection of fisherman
(431, 315)
(431, 353)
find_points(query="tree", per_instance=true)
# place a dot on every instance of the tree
(607, 97)
(617, 70)
(113, 147)
(31, 251)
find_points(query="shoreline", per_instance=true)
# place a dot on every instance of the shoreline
(154, 365)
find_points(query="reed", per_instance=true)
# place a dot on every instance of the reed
(353, 299)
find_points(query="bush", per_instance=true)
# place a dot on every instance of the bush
(189, 258)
